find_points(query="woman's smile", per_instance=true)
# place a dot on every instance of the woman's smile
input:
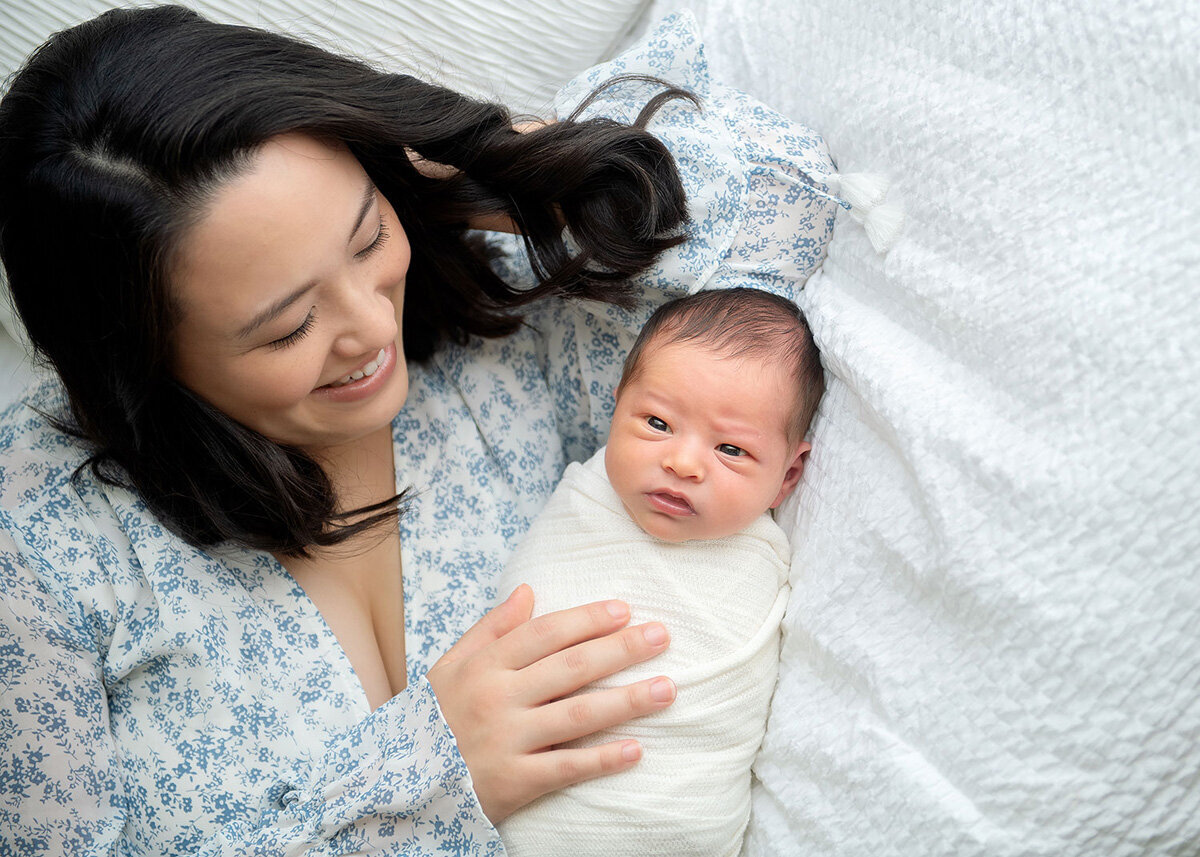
(362, 383)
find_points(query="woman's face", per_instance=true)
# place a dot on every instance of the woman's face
(290, 284)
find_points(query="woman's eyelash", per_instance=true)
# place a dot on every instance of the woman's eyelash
(299, 333)
(380, 237)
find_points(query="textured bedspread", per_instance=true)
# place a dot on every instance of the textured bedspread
(991, 645)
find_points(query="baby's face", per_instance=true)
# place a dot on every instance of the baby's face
(698, 447)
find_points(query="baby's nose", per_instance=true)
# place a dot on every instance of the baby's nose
(684, 461)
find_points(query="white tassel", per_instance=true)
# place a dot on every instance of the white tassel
(883, 225)
(862, 190)
(865, 195)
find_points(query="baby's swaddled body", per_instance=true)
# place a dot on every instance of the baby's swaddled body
(722, 601)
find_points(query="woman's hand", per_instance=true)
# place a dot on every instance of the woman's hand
(488, 222)
(501, 689)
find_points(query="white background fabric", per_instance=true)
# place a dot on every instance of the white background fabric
(992, 645)
(518, 53)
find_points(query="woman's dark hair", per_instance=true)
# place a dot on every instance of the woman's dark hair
(115, 134)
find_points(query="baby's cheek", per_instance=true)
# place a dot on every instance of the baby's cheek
(746, 504)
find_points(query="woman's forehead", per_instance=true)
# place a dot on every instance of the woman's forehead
(278, 224)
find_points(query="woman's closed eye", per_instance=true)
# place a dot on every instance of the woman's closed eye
(297, 334)
(731, 450)
(380, 238)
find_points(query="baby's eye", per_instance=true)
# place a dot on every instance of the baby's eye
(730, 449)
(657, 424)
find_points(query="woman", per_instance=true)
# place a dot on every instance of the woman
(248, 263)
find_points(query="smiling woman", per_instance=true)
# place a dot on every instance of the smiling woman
(279, 359)
(217, 238)
(179, 178)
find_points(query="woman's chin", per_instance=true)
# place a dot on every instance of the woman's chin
(327, 423)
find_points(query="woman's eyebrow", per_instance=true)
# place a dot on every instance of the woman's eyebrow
(280, 306)
(368, 198)
(273, 311)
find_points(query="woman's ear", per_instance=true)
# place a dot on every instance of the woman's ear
(792, 475)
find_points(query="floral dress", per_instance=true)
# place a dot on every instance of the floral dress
(160, 699)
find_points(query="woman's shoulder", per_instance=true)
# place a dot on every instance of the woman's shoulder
(51, 505)
(37, 458)
(733, 153)
(66, 538)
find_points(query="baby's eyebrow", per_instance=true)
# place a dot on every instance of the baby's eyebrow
(737, 429)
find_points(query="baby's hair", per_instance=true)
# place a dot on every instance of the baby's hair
(740, 322)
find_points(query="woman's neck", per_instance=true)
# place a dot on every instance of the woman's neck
(362, 471)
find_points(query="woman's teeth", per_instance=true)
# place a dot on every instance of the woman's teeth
(369, 369)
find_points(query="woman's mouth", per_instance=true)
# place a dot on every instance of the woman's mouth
(364, 381)
(366, 371)
(670, 504)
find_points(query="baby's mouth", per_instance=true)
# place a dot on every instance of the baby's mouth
(670, 503)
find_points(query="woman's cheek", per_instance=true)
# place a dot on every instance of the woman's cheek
(281, 385)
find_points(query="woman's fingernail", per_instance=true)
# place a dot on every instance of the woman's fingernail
(662, 690)
(617, 609)
(631, 752)
(655, 635)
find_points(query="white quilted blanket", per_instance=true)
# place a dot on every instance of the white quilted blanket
(992, 645)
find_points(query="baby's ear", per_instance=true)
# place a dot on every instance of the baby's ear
(792, 475)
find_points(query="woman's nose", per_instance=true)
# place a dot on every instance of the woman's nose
(368, 322)
(684, 460)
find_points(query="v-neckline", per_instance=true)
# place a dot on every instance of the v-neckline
(330, 648)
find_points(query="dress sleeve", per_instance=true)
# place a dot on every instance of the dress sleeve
(760, 215)
(393, 784)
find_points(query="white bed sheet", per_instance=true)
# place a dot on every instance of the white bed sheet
(991, 646)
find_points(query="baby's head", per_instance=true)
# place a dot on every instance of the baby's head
(712, 408)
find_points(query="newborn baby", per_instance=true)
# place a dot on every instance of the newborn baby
(672, 516)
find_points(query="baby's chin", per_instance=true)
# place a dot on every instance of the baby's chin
(677, 532)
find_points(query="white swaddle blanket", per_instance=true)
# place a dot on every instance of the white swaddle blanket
(722, 602)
